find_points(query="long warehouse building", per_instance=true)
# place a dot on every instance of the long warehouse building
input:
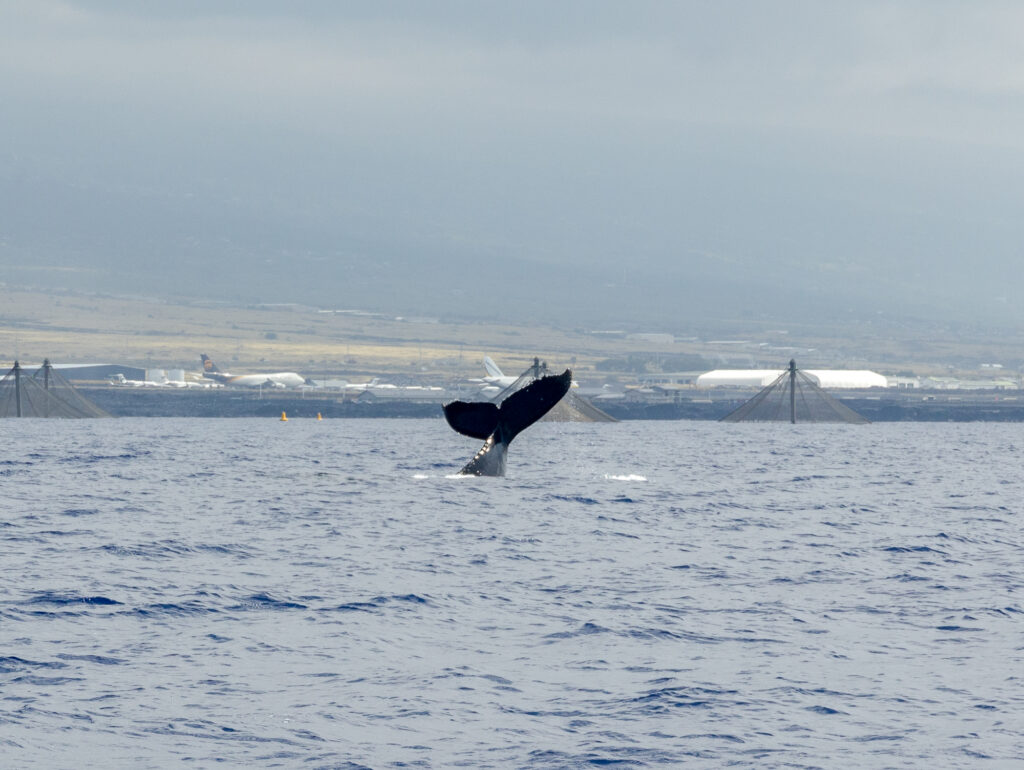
(833, 379)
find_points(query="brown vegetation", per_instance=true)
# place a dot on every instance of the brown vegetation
(146, 332)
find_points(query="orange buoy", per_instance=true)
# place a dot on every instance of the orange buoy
(284, 417)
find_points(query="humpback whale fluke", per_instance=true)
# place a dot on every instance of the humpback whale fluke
(499, 424)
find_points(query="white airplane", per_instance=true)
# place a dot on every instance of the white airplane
(495, 376)
(495, 381)
(352, 388)
(272, 380)
(119, 379)
(374, 383)
(191, 384)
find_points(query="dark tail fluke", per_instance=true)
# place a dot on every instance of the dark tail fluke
(500, 424)
(474, 419)
(524, 407)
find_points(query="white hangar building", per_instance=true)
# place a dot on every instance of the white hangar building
(829, 379)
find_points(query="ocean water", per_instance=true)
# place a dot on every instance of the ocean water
(179, 592)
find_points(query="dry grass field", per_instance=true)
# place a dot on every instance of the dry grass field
(155, 333)
(152, 333)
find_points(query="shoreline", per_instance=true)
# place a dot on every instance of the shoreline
(901, 406)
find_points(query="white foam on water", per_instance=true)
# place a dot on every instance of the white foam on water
(624, 477)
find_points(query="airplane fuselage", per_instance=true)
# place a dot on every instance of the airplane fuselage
(273, 380)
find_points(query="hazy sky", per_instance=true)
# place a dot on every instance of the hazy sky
(652, 159)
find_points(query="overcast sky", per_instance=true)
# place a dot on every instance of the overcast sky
(859, 153)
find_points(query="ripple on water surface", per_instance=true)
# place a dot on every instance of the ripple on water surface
(319, 594)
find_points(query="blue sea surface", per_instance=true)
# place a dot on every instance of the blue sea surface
(186, 592)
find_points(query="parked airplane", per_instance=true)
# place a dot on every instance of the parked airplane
(495, 381)
(272, 380)
(495, 376)
(119, 379)
(361, 386)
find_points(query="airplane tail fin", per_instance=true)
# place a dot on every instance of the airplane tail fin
(208, 366)
(492, 368)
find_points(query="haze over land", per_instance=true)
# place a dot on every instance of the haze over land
(642, 165)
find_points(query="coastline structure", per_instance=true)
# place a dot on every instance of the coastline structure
(793, 397)
(43, 394)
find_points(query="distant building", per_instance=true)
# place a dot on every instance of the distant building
(738, 378)
(957, 383)
(829, 379)
(904, 383)
(98, 372)
(413, 393)
(669, 378)
(654, 395)
(847, 378)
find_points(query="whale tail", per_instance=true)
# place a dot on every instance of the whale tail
(499, 424)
